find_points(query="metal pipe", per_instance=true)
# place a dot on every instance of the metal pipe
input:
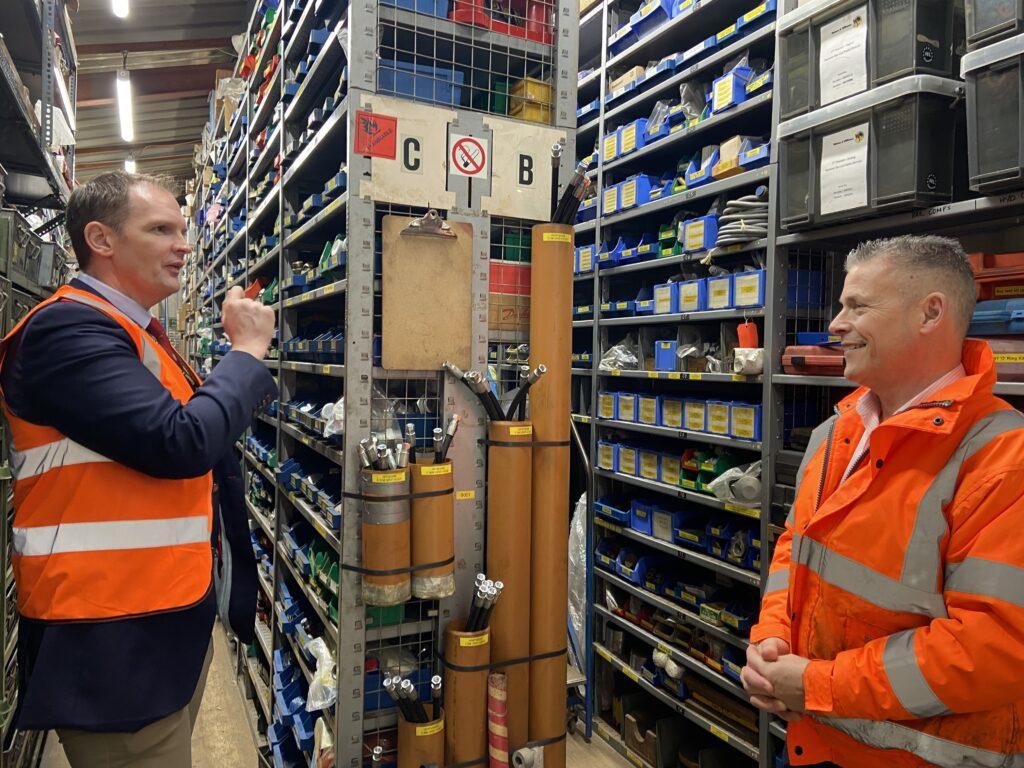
(435, 696)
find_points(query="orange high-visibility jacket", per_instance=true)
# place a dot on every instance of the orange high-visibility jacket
(93, 539)
(905, 584)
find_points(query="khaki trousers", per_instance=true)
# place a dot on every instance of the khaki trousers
(167, 743)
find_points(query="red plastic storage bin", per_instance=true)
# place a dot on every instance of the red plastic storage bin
(813, 361)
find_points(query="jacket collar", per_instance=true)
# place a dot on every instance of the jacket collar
(979, 364)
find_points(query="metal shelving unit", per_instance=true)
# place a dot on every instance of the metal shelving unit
(303, 155)
(754, 117)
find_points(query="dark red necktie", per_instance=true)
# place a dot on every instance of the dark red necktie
(156, 330)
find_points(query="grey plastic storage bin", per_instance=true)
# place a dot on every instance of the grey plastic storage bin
(833, 50)
(994, 115)
(991, 20)
(893, 148)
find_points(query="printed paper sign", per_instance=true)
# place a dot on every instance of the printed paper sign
(467, 156)
(843, 60)
(844, 170)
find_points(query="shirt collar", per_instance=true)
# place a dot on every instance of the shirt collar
(135, 311)
(870, 407)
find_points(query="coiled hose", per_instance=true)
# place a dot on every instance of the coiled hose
(743, 220)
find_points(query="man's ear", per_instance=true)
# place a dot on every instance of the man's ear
(934, 307)
(98, 237)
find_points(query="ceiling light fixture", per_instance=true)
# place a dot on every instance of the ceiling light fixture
(121, 8)
(124, 103)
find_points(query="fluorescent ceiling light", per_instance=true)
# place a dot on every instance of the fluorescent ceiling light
(129, 164)
(124, 105)
(121, 8)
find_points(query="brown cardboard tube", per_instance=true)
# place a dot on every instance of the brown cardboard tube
(420, 743)
(509, 472)
(465, 697)
(550, 344)
(433, 530)
(385, 530)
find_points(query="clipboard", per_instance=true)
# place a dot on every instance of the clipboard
(427, 292)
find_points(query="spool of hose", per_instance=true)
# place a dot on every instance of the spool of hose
(385, 529)
(528, 757)
(433, 530)
(420, 743)
(509, 487)
(551, 344)
(465, 697)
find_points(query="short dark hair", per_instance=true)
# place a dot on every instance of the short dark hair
(942, 256)
(104, 199)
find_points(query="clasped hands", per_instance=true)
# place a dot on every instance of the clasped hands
(774, 678)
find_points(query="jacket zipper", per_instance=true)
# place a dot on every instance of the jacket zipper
(824, 465)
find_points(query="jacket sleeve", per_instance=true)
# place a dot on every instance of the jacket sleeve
(971, 661)
(774, 618)
(77, 370)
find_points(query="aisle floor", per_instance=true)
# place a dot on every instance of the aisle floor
(222, 739)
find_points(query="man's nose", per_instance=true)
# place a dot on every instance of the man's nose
(839, 325)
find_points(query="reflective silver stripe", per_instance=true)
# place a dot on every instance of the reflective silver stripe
(923, 560)
(120, 534)
(777, 580)
(907, 679)
(934, 749)
(864, 582)
(60, 453)
(150, 357)
(987, 578)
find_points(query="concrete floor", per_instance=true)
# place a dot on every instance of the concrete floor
(222, 738)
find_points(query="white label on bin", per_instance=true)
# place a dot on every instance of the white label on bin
(670, 469)
(843, 178)
(629, 138)
(694, 235)
(662, 526)
(743, 422)
(723, 93)
(663, 300)
(695, 413)
(689, 296)
(843, 60)
(606, 406)
(671, 413)
(627, 408)
(648, 410)
(628, 194)
(649, 466)
(611, 145)
(718, 417)
(627, 460)
(718, 293)
(748, 290)
(606, 457)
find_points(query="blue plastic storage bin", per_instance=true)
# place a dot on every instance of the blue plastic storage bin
(805, 288)
(665, 355)
(748, 288)
(700, 234)
(759, 83)
(666, 298)
(672, 410)
(698, 51)
(607, 455)
(613, 508)
(730, 89)
(622, 38)
(718, 417)
(647, 464)
(670, 469)
(632, 136)
(758, 17)
(606, 554)
(642, 248)
(651, 15)
(754, 155)
(625, 406)
(997, 317)
(437, 8)
(628, 460)
(640, 515)
(636, 191)
(627, 244)
(376, 698)
(420, 81)
(745, 421)
(693, 295)
(725, 35)
(587, 211)
(664, 522)
(605, 404)
(610, 199)
(610, 146)
(587, 111)
(695, 415)
(638, 572)
(720, 292)
(585, 254)
(647, 408)
(698, 174)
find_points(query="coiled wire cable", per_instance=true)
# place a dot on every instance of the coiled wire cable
(743, 220)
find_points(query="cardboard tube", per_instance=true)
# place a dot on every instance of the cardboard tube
(465, 693)
(550, 344)
(509, 473)
(497, 720)
(433, 531)
(385, 536)
(420, 743)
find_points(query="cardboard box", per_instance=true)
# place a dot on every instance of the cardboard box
(626, 77)
(586, 5)
(508, 312)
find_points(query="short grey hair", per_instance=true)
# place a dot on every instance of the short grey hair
(104, 199)
(942, 256)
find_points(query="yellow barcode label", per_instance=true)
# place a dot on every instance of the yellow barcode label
(556, 237)
(1010, 290)
(695, 376)
(474, 642)
(719, 733)
(433, 471)
(675, 376)
(430, 730)
(465, 495)
(1006, 357)
(751, 15)
(521, 431)
(387, 477)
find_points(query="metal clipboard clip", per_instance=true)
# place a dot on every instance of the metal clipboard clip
(431, 225)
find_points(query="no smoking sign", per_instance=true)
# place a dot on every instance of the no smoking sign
(468, 156)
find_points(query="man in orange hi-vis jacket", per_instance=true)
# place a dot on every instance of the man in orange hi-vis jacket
(892, 626)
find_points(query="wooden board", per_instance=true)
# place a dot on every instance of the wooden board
(427, 297)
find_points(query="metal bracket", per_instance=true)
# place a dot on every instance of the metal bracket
(431, 225)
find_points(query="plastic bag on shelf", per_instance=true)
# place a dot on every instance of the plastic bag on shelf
(739, 485)
(749, 362)
(323, 745)
(692, 99)
(334, 415)
(658, 116)
(323, 689)
(624, 356)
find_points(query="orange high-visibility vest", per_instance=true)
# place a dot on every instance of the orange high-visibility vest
(904, 584)
(92, 538)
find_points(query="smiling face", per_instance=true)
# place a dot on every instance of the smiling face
(879, 324)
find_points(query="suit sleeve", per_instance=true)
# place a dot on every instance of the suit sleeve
(970, 661)
(79, 372)
(774, 618)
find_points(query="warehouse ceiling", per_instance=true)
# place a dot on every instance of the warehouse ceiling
(174, 49)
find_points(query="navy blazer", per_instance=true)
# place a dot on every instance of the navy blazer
(76, 370)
